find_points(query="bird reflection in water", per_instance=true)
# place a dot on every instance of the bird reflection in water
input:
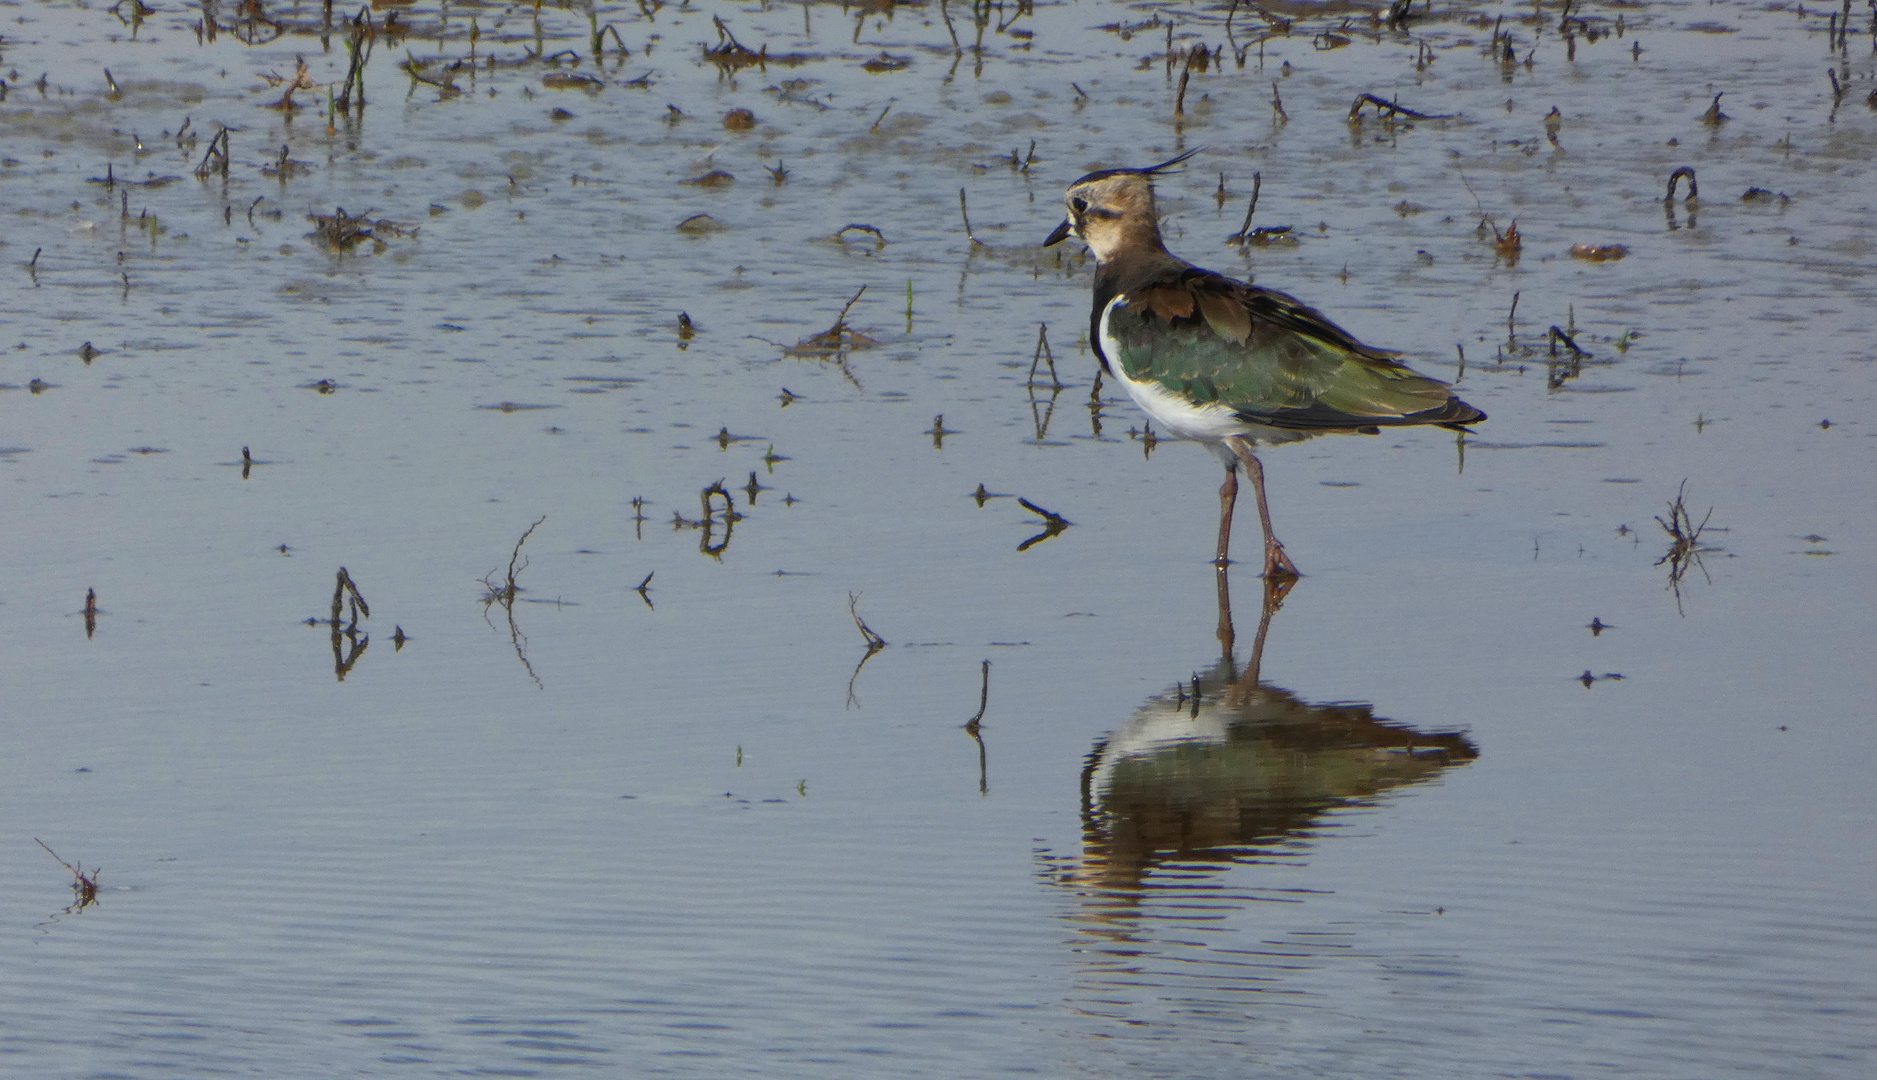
(1228, 768)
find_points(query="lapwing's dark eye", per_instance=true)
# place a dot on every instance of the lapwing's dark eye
(1080, 205)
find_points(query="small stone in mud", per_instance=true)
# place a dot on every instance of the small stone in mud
(885, 62)
(561, 80)
(700, 224)
(558, 115)
(739, 120)
(1599, 252)
(711, 179)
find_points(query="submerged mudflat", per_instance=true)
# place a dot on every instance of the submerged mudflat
(505, 525)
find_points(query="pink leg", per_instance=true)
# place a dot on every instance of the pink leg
(1228, 501)
(1277, 565)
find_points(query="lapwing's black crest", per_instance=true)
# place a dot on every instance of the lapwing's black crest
(1151, 170)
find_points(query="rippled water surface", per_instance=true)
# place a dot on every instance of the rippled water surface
(1508, 784)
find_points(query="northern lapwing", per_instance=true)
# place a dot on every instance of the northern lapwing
(1226, 363)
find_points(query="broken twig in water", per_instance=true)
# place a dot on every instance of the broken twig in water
(84, 886)
(505, 594)
(1244, 231)
(1053, 524)
(835, 339)
(1556, 335)
(984, 700)
(1684, 541)
(1043, 355)
(966, 214)
(874, 641)
(1693, 191)
(1391, 108)
(879, 238)
(340, 589)
(341, 231)
(216, 152)
(348, 641)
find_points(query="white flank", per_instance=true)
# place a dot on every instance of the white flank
(1176, 415)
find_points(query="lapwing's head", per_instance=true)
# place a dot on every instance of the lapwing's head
(1112, 211)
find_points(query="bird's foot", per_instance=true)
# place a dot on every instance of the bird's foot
(1277, 565)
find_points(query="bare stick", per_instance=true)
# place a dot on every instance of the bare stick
(1570, 343)
(1044, 354)
(874, 641)
(878, 236)
(1392, 108)
(1257, 182)
(1693, 191)
(984, 699)
(218, 149)
(55, 855)
(84, 886)
(966, 214)
(840, 320)
(516, 554)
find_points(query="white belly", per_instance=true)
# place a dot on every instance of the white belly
(1177, 416)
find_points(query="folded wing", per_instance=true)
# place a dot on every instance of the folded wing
(1269, 357)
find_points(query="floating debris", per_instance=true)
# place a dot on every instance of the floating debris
(835, 339)
(700, 225)
(1599, 252)
(341, 231)
(562, 80)
(886, 62)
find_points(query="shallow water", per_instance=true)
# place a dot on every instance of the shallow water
(679, 831)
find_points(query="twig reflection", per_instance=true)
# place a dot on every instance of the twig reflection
(348, 641)
(974, 728)
(707, 525)
(1685, 545)
(1053, 524)
(874, 644)
(505, 593)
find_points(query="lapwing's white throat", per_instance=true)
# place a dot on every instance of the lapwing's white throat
(1233, 365)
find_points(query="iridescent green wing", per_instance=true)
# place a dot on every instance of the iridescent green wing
(1269, 357)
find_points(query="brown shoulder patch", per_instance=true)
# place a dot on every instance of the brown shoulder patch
(1167, 301)
(1227, 317)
